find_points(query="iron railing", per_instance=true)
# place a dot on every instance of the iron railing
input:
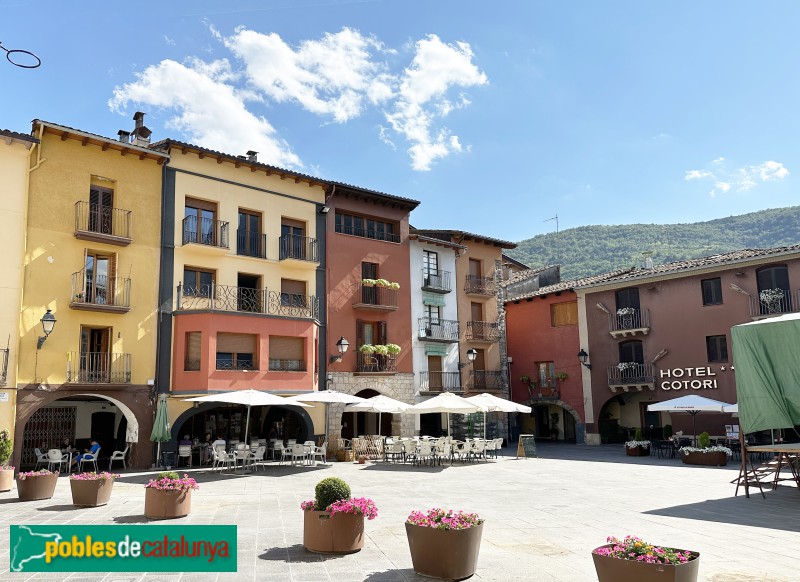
(630, 318)
(436, 281)
(476, 285)
(631, 373)
(375, 363)
(228, 364)
(101, 291)
(229, 298)
(368, 233)
(786, 304)
(435, 329)
(440, 381)
(483, 380)
(99, 219)
(375, 296)
(483, 331)
(98, 368)
(251, 244)
(302, 248)
(287, 365)
(205, 231)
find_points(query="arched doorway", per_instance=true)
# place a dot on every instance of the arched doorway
(366, 423)
(552, 419)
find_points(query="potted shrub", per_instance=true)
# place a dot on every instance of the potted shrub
(91, 489)
(381, 350)
(393, 349)
(6, 470)
(368, 282)
(169, 496)
(35, 485)
(394, 286)
(633, 560)
(562, 376)
(333, 522)
(444, 544)
(367, 349)
(704, 454)
(638, 447)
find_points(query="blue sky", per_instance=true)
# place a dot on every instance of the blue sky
(496, 115)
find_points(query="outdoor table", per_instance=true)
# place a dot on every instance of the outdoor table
(786, 455)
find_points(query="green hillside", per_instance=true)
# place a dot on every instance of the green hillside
(588, 250)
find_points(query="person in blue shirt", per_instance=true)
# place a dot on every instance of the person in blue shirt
(94, 446)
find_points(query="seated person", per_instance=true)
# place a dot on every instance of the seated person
(93, 448)
(220, 442)
(66, 446)
(187, 440)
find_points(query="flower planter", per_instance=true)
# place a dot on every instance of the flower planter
(91, 493)
(444, 554)
(340, 533)
(160, 504)
(637, 451)
(39, 487)
(712, 459)
(610, 569)
(6, 479)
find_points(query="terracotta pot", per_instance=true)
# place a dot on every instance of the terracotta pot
(6, 479)
(341, 533)
(637, 451)
(91, 493)
(443, 554)
(710, 459)
(33, 488)
(618, 570)
(166, 504)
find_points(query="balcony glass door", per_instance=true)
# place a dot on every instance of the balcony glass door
(773, 290)
(199, 225)
(98, 271)
(293, 240)
(248, 235)
(95, 360)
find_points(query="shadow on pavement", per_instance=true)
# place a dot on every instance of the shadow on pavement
(295, 553)
(60, 508)
(394, 576)
(134, 519)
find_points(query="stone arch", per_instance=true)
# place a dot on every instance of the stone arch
(580, 426)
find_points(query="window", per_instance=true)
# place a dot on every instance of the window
(369, 295)
(712, 291)
(199, 222)
(293, 293)
(628, 298)
(248, 235)
(286, 354)
(717, 348)
(564, 314)
(197, 282)
(631, 351)
(430, 262)
(101, 201)
(366, 227)
(773, 290)
(293, 235)
(434, 313)
(547, 372)
(99, 278)
(236, 351)
(192, 347)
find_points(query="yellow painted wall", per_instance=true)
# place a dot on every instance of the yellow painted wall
(13, 207)
(65, 171)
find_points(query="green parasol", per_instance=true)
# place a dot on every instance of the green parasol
(161, 433)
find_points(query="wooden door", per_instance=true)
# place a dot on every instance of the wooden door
(474, 268)
(435, 382)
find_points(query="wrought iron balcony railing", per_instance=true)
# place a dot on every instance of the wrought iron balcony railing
(440, 381)
(251, 244)
(100, 291)
(484, 381)
(438, 330)
(368, 233)
(205, 231)
(287, 366)
(774, 304)
(228, 364)
(631, 373)
(215, 297)
(374, 297)
(302, 248)
(484, 331)
(98, 368)
(436, 281)
(375, 363)
(476, 285)
(94, 221)
(628, 321)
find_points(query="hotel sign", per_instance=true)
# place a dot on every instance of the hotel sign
(688, 378)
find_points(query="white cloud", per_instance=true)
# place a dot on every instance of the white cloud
(719, 188)
(697, 174)
(739, 179)
(169, 41)
(770, 171)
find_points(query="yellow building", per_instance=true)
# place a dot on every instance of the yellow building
(15, 151)
(92, 260)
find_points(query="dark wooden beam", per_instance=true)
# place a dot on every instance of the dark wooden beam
(64, 136)
(84, 141)
(104, 147)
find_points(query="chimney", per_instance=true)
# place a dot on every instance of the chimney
(648, 260)
(141, 134)
(252, 156)
(124, 136)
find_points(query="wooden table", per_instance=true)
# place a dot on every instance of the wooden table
(786, 455)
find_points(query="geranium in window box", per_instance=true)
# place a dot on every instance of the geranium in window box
(34, 485)
(444, 544)
(634, 560)
(169, 496)
(91, 489)
(333, 522)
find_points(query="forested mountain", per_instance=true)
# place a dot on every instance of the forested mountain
(589, 250)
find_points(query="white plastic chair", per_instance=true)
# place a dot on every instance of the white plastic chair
(257, 458)
(41, 458)
(221, 458)
(321, 453)
(298, 451)
(89, 458)
(118, 456)
(56, 457)
(242, 453)
(185, 452)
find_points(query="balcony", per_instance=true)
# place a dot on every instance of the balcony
(484, 381)
(630, 376)
(102, 224)
(205, 232)
(773, 304)
(375, 364)
(482, 331)
(375, 297)
(629, 322)
(438, 330)
(287, 366)
(440, 382)
(436, 281)
(251, 244)
(245, 299)
(107, 294)
(227, 364)
(98, 368)
(299, 248)
(476, 285)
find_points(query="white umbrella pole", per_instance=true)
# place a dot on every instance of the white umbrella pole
(448, 424)
(379, 423)
(484, 425)
(247, 425)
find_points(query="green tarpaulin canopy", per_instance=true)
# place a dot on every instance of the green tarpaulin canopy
(766, 354)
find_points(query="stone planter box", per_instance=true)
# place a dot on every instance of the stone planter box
(637, 451)
(323, 533)
(166, 504)
(91, 493)
(6, 479)
(33, 488)
(712, 459)
(444, 554)
(617, 570)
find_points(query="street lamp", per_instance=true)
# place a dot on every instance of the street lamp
(342, 346)
(583, 357)
(48, 323)
(472, 353)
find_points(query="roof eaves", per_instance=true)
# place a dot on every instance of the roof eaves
(109, 140)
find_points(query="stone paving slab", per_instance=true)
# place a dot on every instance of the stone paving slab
(543, 517)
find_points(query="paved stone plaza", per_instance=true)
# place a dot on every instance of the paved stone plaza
(543, 517)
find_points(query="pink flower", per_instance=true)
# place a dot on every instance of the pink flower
(184, 483)
(39, 473)
(447, 520)
(633, 548)
(93, 476)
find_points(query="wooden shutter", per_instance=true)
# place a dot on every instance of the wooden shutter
(382, 333)
(292, 287)
(237, 343)
(369, 270)
(564, 313)
(474, 268)
(286, 348)
(194, 342)
(359, 333)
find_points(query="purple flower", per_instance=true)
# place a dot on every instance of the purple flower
(444, 519)
(355, 505)
(184, 483)
(39, 473)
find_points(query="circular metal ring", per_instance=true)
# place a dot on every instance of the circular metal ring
(20, 53)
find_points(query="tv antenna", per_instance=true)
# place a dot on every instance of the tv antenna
(558, 247)
(21, 58)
